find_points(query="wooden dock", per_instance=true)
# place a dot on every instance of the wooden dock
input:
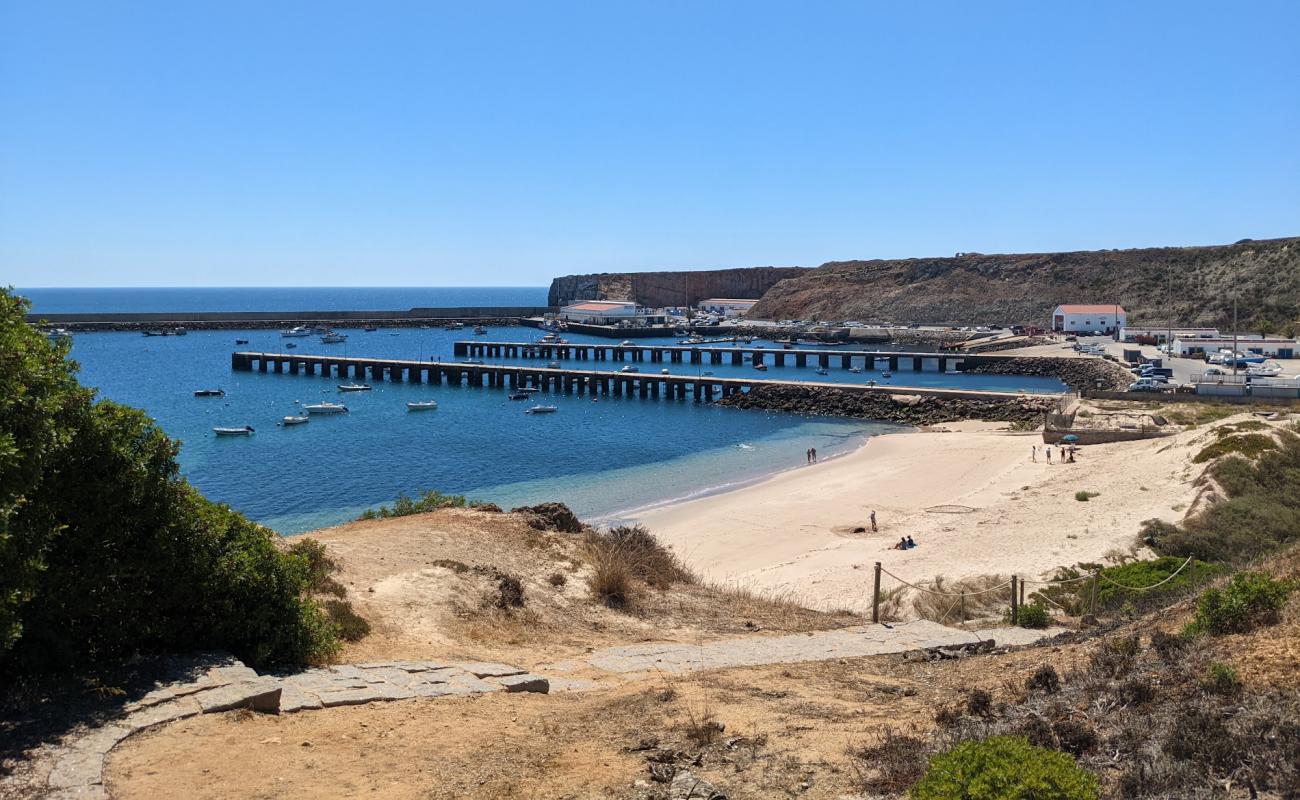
(736, 356)
(568, 381)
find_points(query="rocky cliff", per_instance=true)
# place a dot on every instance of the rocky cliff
(1187, 285)
(659, 289)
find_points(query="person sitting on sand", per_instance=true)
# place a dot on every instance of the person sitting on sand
(902, 544)
(910, 543)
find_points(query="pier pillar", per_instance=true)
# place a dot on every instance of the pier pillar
(643, 387)
(917, 363)
(618, 387)
(699, 392)
(695, 356)
(737, 358)
(715, 357)
(293, 366)
(823, 360)
(261, 364)
(893, 362)
(757, 357)
(654, 388)
(778, 358)
(846, 362)
(376, 371)
(800, 359)
(395, 373)
(309, 367)
(618, 354)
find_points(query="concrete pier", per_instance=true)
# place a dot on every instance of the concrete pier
(567, 381)
(866, 360)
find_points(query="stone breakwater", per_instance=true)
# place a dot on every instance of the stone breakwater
(901, 408)
(1077, 373)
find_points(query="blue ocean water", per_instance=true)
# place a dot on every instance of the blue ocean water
(602, 458)
(314, 298)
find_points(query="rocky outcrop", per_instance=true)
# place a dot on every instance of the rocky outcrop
(903, 409)
(1190, 285)
(658, 289)
(1077, 373)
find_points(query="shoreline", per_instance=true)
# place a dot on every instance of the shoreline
(792, 533)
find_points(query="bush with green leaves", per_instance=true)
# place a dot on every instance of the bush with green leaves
(1004, 768)
(1250, 600)
(105, 551)
(404, 506)
(1033, 615)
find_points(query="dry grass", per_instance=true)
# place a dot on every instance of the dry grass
(626, 556)
(978, 602)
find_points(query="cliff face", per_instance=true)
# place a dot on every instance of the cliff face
(1188, 285)
(669, 288)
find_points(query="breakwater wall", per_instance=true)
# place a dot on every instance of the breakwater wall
(898, 406)
(234, 320)
(1077, 373)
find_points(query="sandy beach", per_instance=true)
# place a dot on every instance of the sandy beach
(794, 532)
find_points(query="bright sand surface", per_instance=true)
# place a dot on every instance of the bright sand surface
(793, 533)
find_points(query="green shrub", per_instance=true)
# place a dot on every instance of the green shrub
(1084, 497)
(1249, 445)
(105, 551)
(1150, 573)
(1221, 679)
(320, 567)
(404, 506)
(350, 625)
(1250, 600)
(1033, 615)
(1004, 768)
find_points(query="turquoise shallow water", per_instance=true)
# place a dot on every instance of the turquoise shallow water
(600, 458)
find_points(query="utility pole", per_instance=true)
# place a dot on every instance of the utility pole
(1234, 336)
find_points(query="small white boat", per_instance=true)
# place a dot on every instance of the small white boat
(1268, 369)
(57, 334)
(821, 371)
(422, 405)
(553, 365)
(528, 389)
(325, 408)
(333, 338)
(297, 330)
(455, 326)
(665, 372)
(354, 387)
(520, 395)
(479, 330)
(855, 370)
(294, 419)
(209, 392)
(629, 368)
(244, 431)
(886, 374)
(542, 410)
(761, 367)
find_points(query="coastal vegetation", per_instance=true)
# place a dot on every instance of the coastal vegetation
(404, 506)
(105, 551)
(1002, 767)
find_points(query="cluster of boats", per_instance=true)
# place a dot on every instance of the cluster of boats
(177, 331)
(309, 409)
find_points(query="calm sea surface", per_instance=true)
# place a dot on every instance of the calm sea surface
(57, 301)
(603, 459)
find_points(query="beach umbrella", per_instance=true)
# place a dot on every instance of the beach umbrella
(1070, 437)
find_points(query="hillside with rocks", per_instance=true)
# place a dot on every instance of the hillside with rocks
(658, 289)
(1185, 285)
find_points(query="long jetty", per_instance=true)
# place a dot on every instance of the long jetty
(568, 381)
(678, 354)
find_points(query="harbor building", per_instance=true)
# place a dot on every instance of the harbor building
(1250, 344)
(726, 306)
(1088, 318)
(1164, 333)
(599, 312)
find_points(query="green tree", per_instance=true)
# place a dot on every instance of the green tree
(109, 551)
(1265, 327)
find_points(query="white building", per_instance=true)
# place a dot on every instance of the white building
(725, 306)
(1160, 335)
(600, 312)
(1085, 319)
(1250, 344)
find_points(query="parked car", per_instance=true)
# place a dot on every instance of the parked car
(1145, 385)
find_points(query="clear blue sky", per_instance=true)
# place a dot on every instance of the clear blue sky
(486, 143)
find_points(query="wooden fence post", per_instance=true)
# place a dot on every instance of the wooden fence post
(1015, 601)
(875, 596)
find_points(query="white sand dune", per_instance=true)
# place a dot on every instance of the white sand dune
(793, 533)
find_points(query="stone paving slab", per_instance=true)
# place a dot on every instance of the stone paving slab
(524, 683)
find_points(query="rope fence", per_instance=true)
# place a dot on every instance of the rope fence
(1017, 586)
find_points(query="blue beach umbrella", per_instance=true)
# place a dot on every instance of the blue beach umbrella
(1070, 437)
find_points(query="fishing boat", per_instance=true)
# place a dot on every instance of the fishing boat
(209, 392)
(333, 338)
(297, 330)
(528, 389)
(479, 330)
(855, 370)
(422, 405)
(551, 338)
(821, 371)
(354, 387)
(370, 329)
(57, 334)
(455, 326)
(886, 374)
(519, 395)
(665, 372)
(629, 368)
(325, 408)
(244, 431)
(693, 340)
(541, 410)
(294, 419)
(552, 365)
(241, 341)
(626, 343)
(761, 367)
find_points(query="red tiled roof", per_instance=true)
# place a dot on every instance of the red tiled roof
(1092, 309)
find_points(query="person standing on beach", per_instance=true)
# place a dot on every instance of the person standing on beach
(807, 455)
(1049, 454)
(873, 521)
(1033, 453)
(814, 455)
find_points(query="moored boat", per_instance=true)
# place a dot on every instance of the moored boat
(542, 410)
(325, 408)
(297, 330)
(244, 431)
(333, 338)
(761, 367)
(520, 395)
(295, 419)
(241, 341)
(479, 330)
(421, 405)
(209, 392)
(354, 387)
(629, 368)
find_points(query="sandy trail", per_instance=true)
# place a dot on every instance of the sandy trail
(793, 533)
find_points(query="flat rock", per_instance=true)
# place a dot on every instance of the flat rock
(487, 669)
(525, 683)
(371, 694)
(259, 695)
(232, 674)
(77, 768)
(294, 698)
(163, 713)
(686, 786)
